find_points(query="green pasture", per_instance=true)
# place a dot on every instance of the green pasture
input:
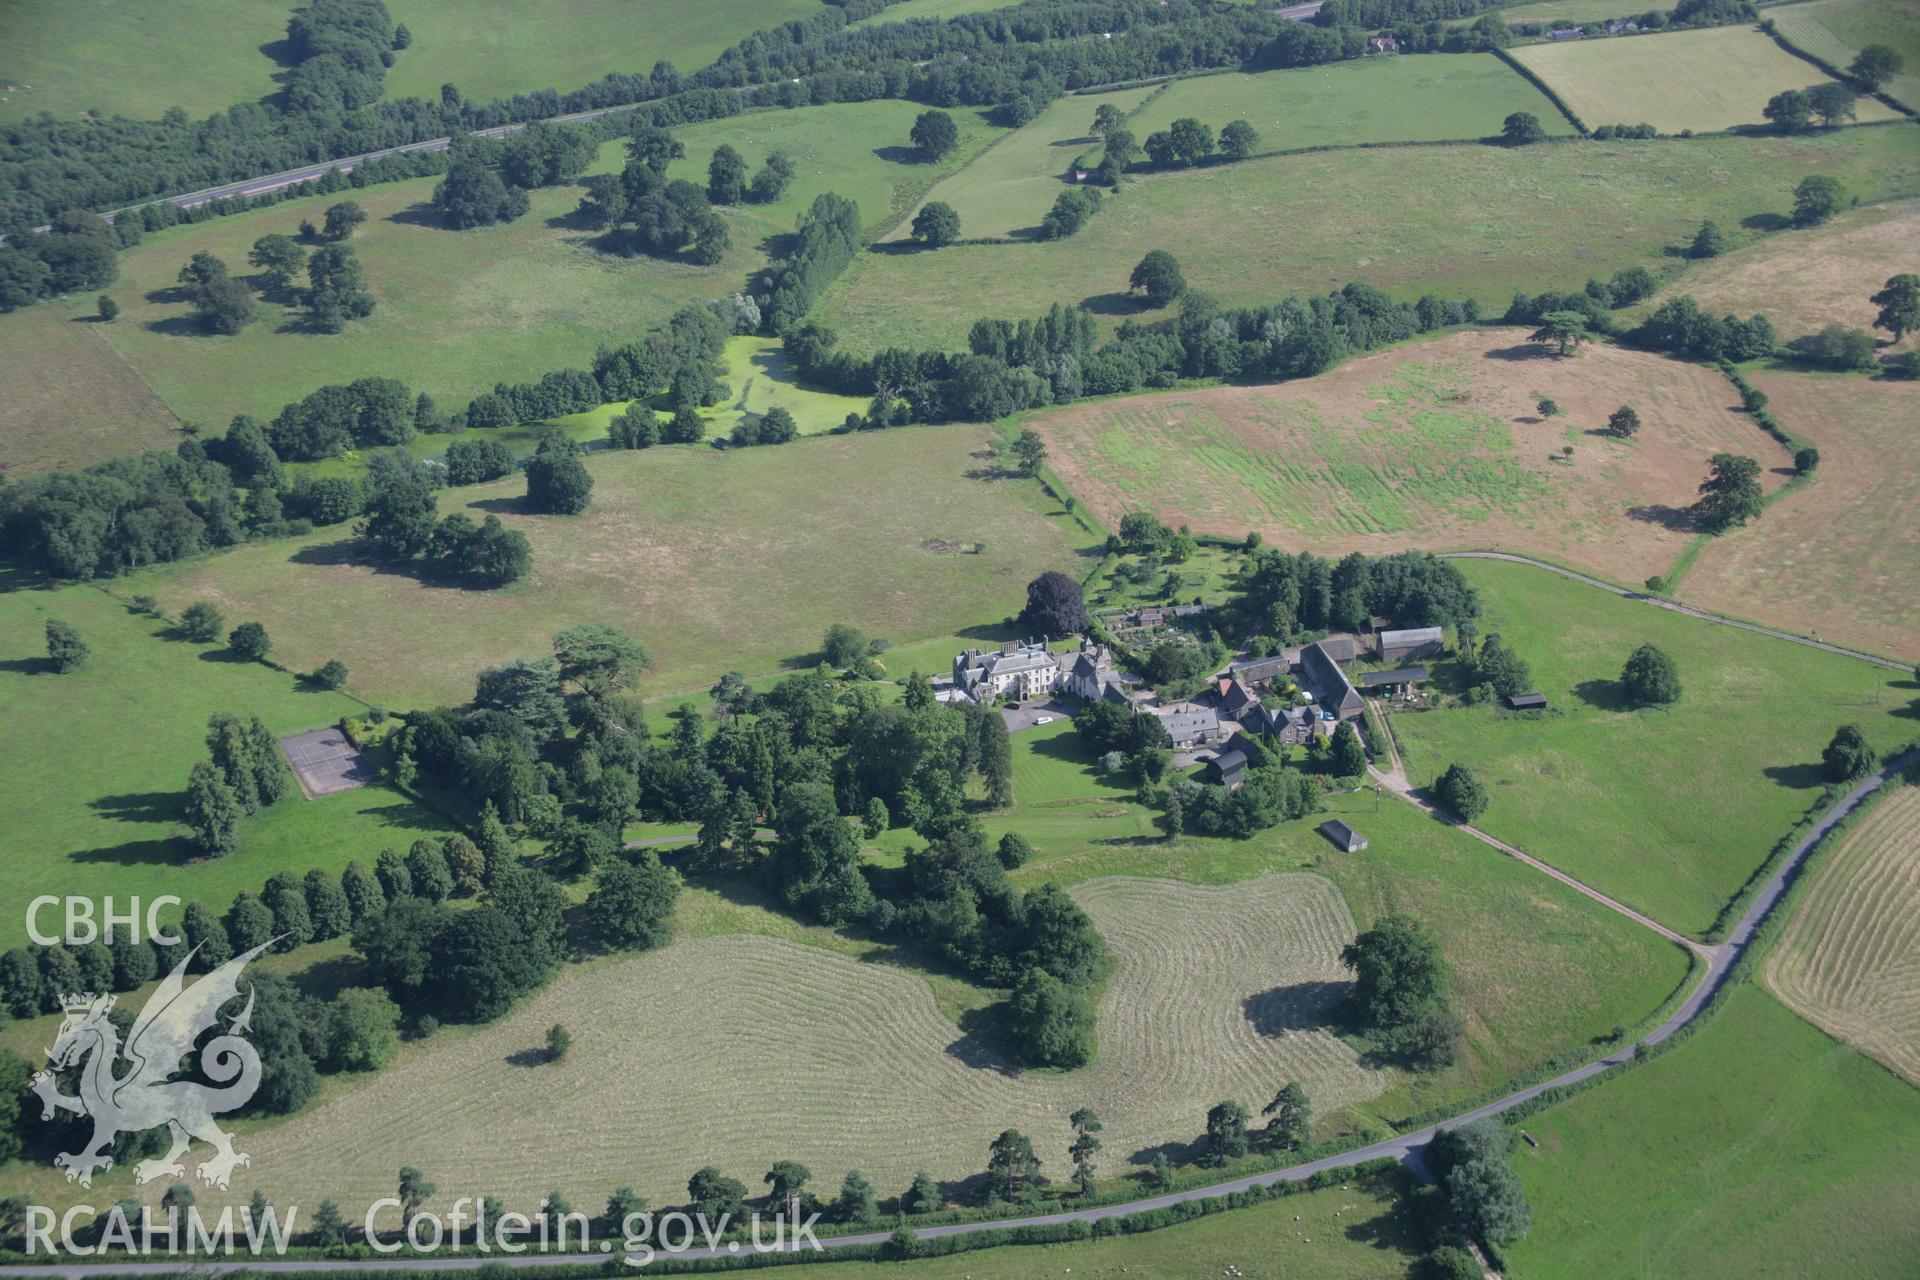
(72, 57)
(67, 399)
(1467, 221)
(1379, 99)
(1670, 810)
(504, 47)
(935, 9)
(1836, 30)
(97, 763)
(1762, 1147)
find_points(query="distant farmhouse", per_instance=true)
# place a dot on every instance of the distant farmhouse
(1421, 642)
(1193, 726)
(1317, 668)
(1022, 669)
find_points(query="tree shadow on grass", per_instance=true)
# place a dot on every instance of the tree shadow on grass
(1177, 1153)
(28, 666)
(1603, 695)
(1117, 304)
(900, 155)
(325, 979)
(421, 214)
(513, 506)
(1674, 519)
(138, 853)
(1797, 777)
(537, 1057)
(139, 806)
(982, 1044)
(1525, 351)
(1766, 222)
(1299, 1006)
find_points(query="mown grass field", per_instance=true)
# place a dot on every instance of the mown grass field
(1805, 280)
(739, 1047)
(97, 764)
(1835, 558)
(1539, 970)
(67, 398)
(713, 560)
(1404, 99)
(1849, 961)
(1434, 444)
(1761, 1148)
(1467, 221)
(1669, 810)
(938, 10)
(1699, 80)
(1835, 30)
(504, 47)
(69, 57)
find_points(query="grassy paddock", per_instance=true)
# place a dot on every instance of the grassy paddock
(104, 754)
(67, 399)
(1699, 80)
(1835, 30)
(1759, 1148)
(1670, 810)
(1468, 221)
(713, 560)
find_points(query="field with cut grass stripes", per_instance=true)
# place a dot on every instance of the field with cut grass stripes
(1836, 30)
(1850, 961)
(735, 1051)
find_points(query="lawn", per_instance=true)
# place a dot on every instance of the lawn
(504, 47)
(69, 57)
(1405, 99)
(1670, 810)
(103, 755)
(1847, 962)
(939, 10)
(67, 398)
(1762, 1148)
(1433, 444)
(1699, 80)
(1539, 970)
(1835, 30)
(1838, 558)
(1470, 221)
(714, 560)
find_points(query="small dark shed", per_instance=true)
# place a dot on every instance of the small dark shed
(1528, 702)
(1343, 836)
(1228, 768)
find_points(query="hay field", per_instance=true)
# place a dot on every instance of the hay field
(1699, 80)
(1759, 1148)
(738, 1050)
(1835, 30)
(1838, 558)
(1434, 444)
(714, 560)
(67, 399)
(1806, 280)
(1468, 221)
(1850, 960)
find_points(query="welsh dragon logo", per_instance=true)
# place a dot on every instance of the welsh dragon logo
(145, 1096)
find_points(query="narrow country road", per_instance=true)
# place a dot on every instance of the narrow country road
(1405, 1147)
(1672, 607)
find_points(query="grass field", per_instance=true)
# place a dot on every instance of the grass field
(713, 560)
(103, 754)
(1805, 280)
(1006, 190)
(67, 398)
(936, 9)
(1835, 30)
(1434, 444)
(1444, 95)
(457, 311)
(1759, 1149)
(1699, 80)
(1847, 962)
(519, 46)
(1539, 970)
(1467, 221)
(1668, 810)
(745, 1049)
(69, 57)
(1836, 558)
